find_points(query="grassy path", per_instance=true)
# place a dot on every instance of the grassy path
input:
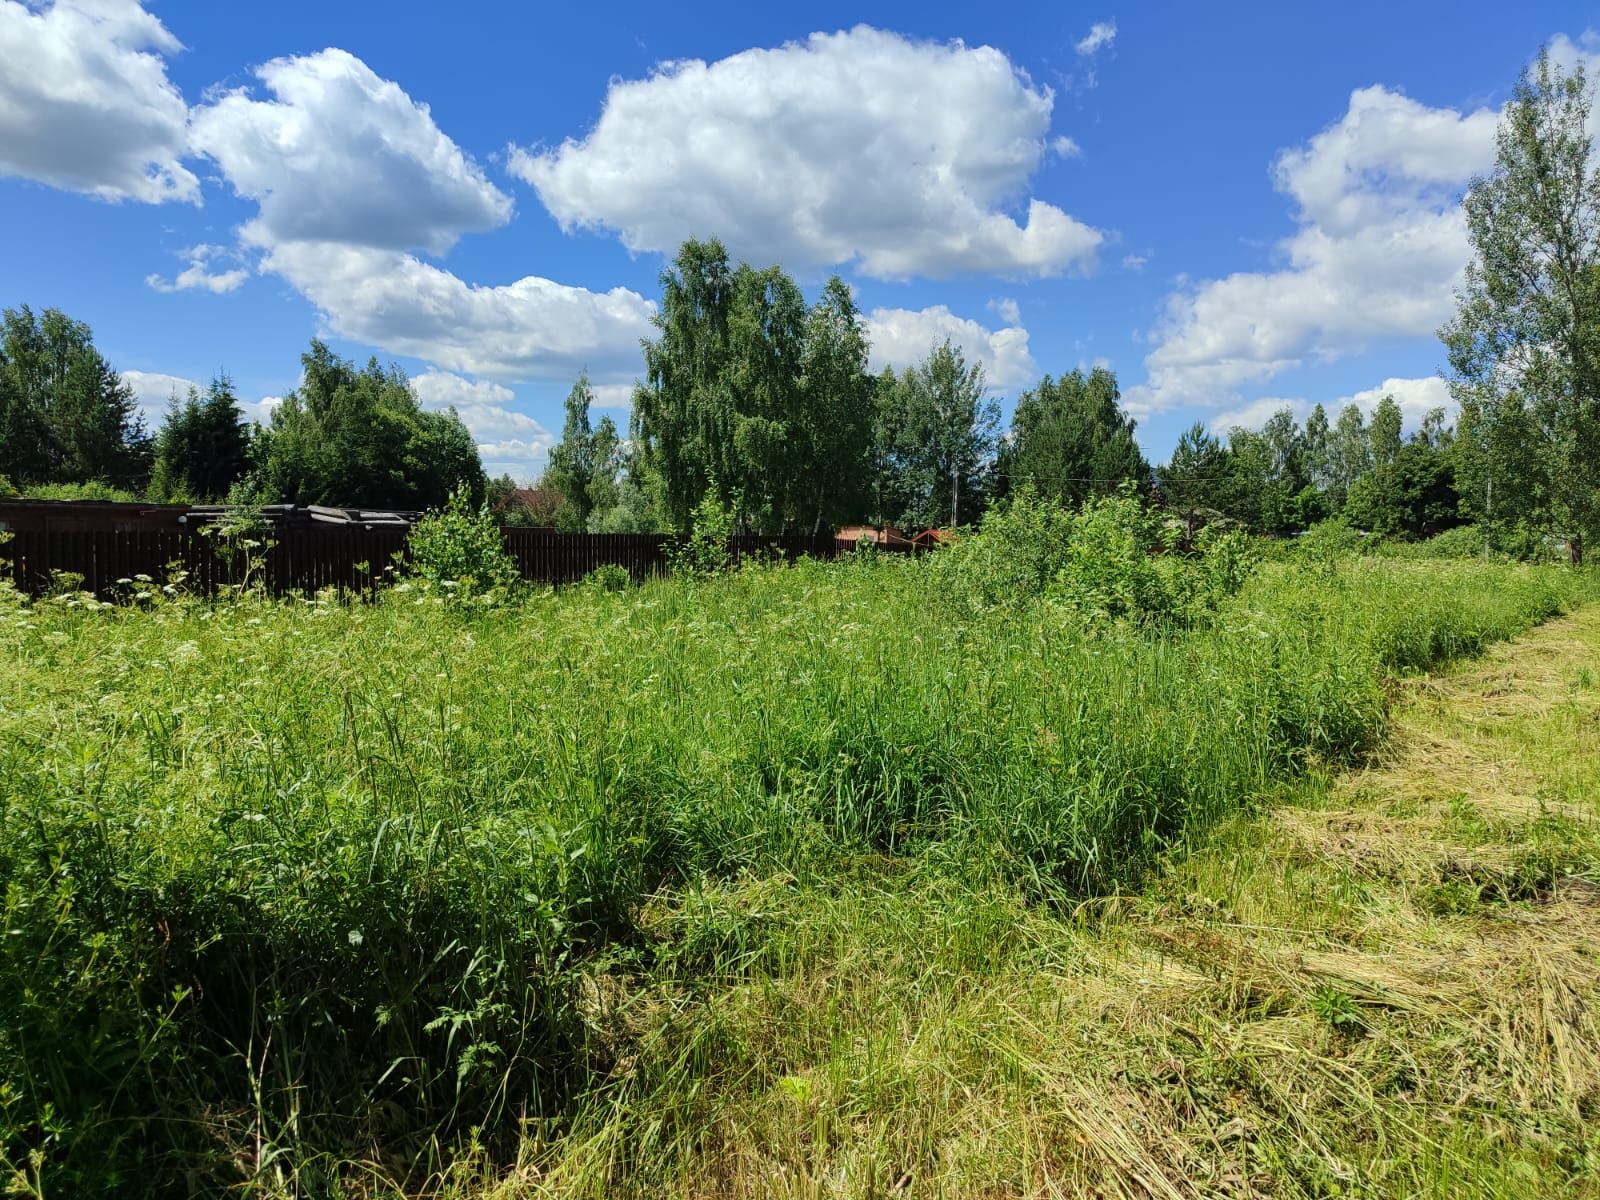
(1387, 985)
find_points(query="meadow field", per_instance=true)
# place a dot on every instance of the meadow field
(805, 881)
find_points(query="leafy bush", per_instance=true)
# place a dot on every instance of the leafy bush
(705, 549)
(1111, 571)
(1328, 541)
(609, 577)
(93, 490)
(461, 548)
(1105, 562)
(1464, 541)
(1022, 546)
(1227, 558)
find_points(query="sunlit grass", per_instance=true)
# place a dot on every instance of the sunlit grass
(693, 877)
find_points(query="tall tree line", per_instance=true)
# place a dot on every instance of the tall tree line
(65, 415)
(1287, 476)
(1524, 346)
(766, 404)
(346, 436)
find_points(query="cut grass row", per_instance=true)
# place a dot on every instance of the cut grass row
(1382, 986)
(290, 887)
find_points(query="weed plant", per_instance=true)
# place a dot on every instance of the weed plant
(288, 886)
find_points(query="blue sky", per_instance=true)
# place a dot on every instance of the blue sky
(1234, 207)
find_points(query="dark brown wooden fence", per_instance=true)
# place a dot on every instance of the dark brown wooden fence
(109, 561)
(112, 562)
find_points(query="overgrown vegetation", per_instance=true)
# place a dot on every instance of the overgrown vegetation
(296, 887)
(459, 548)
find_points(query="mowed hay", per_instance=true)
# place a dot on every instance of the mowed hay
(1332, 999)
(793, 882)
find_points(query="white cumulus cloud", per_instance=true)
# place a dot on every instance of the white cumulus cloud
(902, 337)
(509, 442)
(198, 276)
(153, 392)
(1006, 309)
(532, 328)
(85, 102)
(900, 157)
(352, 175)
(1101, 34)
(338, 154)
(1380, 245)
(1416, 398)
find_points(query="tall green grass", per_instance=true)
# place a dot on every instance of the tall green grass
(291, 885)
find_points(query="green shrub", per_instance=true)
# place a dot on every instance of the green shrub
(461, 548)
(1104, 562)
(609, 577)
(1022, 546)
(1464, 541)
(706, 548)
(1110, 570)
(93, 490)
(1328, 541)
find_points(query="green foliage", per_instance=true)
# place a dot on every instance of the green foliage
(461, 549)
(939, 436)
(349, 437)
(1464, 541)
(65, 415)
(1071, 440)
(609, 577)
(295, 885)
(747, 386)
(1194, 478)
(1104, 562)
(1286, 479)
(578, 460)
(203, 447)
(1110, 570)
(1226, 559)
(1338, 1010)
(1410, 491)
(833, 474)
(633, 510)
(704, 549)
(93, 490)
(594, 475)
(1328, 541)
(1020, 549)
(1524, 345)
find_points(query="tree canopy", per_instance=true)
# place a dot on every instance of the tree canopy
(752, 396)
(939, 435)
(1070, 440)
(203, 446)
(65, 415)
(1524, 345)
(359, 437)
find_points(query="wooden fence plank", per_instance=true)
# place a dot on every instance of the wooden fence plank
(349, 561)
